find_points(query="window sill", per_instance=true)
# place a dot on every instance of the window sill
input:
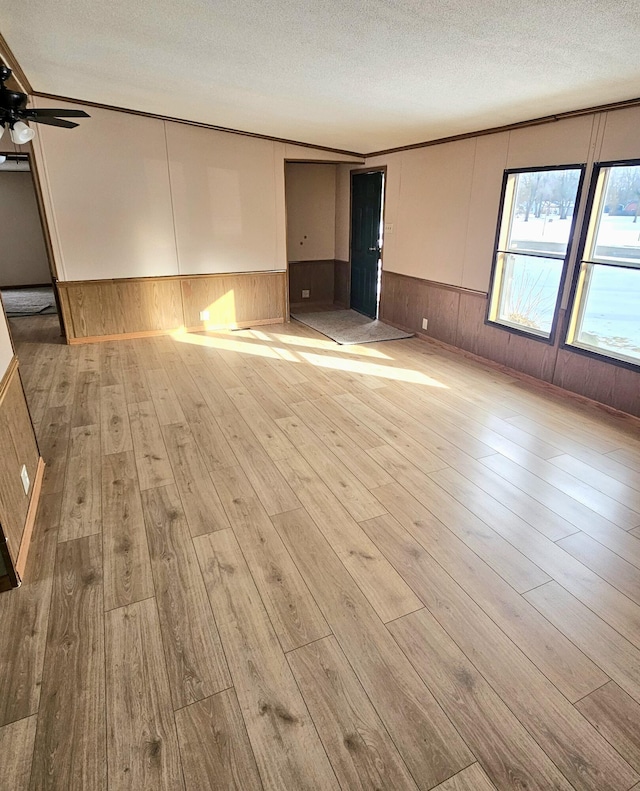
(603, 355)
(524, 332)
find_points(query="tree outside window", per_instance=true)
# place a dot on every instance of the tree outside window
(605, 312)
(534, 237)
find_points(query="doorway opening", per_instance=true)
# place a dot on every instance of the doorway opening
(367, 231)
(26, 282)
(317, 209)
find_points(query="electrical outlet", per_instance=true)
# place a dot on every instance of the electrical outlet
(25, 479)
(305, 293)
(204, 315)
(388, 227)
(425, 322)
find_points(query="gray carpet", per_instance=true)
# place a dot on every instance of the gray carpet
(348, 327)
(28, 301)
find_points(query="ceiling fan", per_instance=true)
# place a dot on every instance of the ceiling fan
(15, 114)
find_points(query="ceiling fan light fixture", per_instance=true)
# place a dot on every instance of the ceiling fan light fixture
(21, 133)
(13, 108)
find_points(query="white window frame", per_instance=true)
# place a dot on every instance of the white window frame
(587, 261)
(497, 283)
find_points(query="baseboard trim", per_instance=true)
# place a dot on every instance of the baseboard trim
(126, 336)
(21, 562)
(7, 377)
(536, 383)
(120, 337)
(457, 319)
(309, 304)
(242, 325)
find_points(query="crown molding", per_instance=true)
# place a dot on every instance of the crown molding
(201, 124)
(10, 60)
(546, 119)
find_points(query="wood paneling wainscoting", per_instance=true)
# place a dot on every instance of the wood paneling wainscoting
(457, 318)
(18, 447)
(238, 300)
(94, 308)
(314, 276)
(406, 300)
(342, 283)
(103, 309)
(328, 282)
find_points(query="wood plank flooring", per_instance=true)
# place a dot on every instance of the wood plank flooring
(265, 561)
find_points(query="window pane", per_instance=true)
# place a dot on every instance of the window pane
(611, 315)
(543, 210)
(529, 291)
(618, 233)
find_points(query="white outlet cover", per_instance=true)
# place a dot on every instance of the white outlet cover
(425, 322)
(388, 227)
(305, 293)
(24, 475)
(204, 315)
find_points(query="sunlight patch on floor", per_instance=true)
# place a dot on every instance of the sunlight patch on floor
(365, 350)
(225, 344)
(372, 369)
(258, 343)
(326, 358)
(286, 354)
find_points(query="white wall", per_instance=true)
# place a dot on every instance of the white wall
(130, 196)
(343, 209)
(318, 206)
(107, 185)
(443, 200)
(310, 191)
(222, 189)
(436, 197)
(23, 257)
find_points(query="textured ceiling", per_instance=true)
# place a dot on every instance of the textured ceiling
(361, 75)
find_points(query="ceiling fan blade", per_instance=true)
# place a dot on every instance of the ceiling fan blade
(53, 122)
(47, 112)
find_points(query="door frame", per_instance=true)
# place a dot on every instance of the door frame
(28, 154)
(308, 161)
(361, 170)
(46, 232)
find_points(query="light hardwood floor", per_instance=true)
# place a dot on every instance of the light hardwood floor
(265, 561)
